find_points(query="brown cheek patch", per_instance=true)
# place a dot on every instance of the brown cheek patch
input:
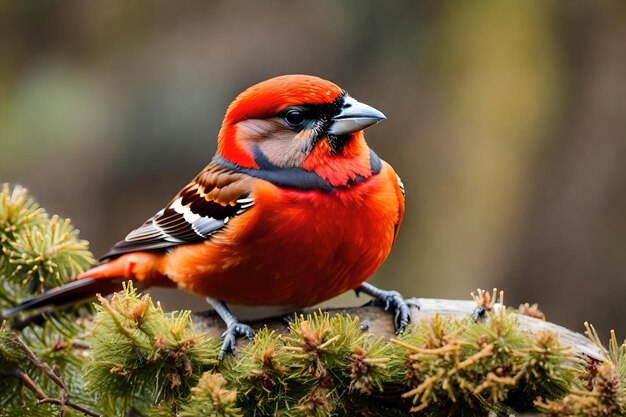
(281, 146)
(287, 149)
(255, 130)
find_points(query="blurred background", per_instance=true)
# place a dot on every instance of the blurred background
(506, 121)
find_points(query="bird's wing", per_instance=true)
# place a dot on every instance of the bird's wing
(201, 208)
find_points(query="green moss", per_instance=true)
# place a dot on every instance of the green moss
(18, 212)
(38, 252)
(471, 368)
(137, 350)
(48, 254)
(601, 389)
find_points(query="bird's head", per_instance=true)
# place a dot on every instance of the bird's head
(299, 121)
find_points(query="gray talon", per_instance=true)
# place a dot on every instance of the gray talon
(230, 335)
(234, 329)
(478, 314)
(389, 300)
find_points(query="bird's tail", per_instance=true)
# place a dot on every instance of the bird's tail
(142, 267)
(71, 292)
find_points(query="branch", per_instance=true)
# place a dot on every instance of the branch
(45, 368)
(380, 322)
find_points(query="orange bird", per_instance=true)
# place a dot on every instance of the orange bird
(293, 210)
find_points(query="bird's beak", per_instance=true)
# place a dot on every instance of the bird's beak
(354, 116)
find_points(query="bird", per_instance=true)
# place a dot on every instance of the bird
(293, 209)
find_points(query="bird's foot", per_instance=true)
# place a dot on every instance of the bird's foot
(230, 335)
(390, 301)
(393, 300)
(287, 319)
(479, 314)
(234, 328)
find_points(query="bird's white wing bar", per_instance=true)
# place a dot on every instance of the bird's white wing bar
(189, 218)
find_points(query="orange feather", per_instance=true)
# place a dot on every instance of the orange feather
(296, 248)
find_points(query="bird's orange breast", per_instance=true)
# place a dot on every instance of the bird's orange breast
(295, 248)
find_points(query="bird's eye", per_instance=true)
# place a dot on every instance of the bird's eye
(294, 117)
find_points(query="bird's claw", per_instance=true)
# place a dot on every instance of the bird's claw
(402, 313)
(478, 314)
(394, 300)
(230, 335)
(287, 319)
(412, 303)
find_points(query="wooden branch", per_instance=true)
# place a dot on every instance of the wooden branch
(380, 322)
(63, 401)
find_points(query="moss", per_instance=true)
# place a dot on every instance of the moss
(37, 251)
(137, 350)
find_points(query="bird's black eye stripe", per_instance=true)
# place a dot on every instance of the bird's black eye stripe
(299, 116)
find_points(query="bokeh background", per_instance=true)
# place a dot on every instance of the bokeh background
(506, 121)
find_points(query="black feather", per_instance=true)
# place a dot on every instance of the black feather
(69, 293)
